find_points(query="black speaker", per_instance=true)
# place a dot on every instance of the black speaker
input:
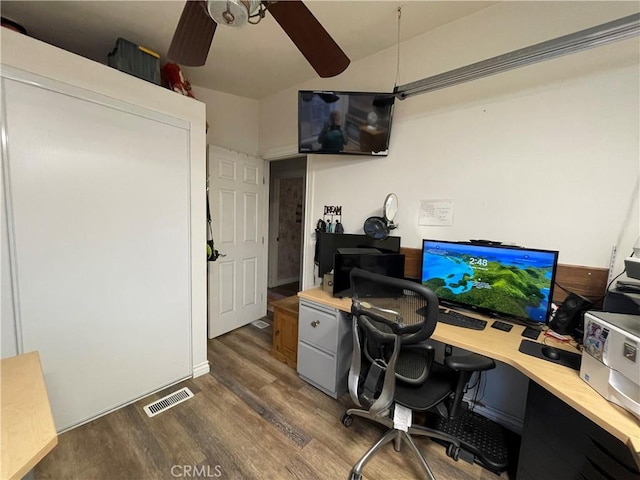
(568, 316)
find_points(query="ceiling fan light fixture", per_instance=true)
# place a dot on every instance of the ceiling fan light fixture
(232, 13)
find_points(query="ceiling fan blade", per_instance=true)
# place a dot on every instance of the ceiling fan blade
(192, 38)
(313, 41)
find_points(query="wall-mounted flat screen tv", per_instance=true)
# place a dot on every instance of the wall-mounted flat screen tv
(497, 280)
(352, 123)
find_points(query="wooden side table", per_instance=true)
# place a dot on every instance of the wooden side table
(285, 330)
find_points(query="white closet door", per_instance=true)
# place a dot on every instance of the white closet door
(99, 201)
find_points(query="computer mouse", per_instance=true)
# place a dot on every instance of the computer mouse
(550, 352)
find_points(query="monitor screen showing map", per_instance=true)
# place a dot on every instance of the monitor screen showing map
(494, 279)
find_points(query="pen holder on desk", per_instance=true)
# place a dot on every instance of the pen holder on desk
(327, 283)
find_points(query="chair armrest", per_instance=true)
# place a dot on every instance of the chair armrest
(471, 362)
(465, 365)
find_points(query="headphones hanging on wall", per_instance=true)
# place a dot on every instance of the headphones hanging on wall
(379, 227)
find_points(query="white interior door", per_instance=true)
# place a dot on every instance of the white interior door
(237, 280)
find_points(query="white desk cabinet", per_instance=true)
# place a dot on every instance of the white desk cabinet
(324, 347)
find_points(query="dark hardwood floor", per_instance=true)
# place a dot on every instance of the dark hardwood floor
(251, 418)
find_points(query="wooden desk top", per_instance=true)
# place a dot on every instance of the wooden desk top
(289, 304)
(563, 382)
(28, 431)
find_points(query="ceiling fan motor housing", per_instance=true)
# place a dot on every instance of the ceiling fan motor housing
(232, 13)
(199, 20)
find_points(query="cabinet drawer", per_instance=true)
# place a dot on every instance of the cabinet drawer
(317, 366)
(559, 442)
(614, 458)
(318, 327)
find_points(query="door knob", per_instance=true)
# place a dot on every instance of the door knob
(315, 323)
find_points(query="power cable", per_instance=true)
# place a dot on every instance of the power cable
(398, 50)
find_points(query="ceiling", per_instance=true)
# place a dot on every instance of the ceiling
(254, 61)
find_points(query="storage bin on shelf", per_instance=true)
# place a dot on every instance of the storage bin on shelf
(135, 60)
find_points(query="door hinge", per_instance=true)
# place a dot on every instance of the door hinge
(263, 240)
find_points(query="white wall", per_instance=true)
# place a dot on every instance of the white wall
(546, 156)
(42, 59)
(233, 120)
(545, 169)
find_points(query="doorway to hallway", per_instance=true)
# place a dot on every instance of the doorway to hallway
(287, 181)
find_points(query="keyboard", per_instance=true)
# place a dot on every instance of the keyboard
(459, 320)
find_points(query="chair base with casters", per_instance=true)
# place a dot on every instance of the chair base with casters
(442, 390)
(398, 437)
(393, 366)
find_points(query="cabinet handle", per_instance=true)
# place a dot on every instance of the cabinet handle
(315, 323)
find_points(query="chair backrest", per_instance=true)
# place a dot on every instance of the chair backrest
(407, 308)
(388, 314)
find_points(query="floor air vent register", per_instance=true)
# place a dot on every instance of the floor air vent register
(165, 403)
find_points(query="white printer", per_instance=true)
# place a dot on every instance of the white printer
(611, 357)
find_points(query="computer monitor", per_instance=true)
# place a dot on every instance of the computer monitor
(502, 281)
(329, 243)
(390, 264)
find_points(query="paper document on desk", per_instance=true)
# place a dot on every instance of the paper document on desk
(401, 418)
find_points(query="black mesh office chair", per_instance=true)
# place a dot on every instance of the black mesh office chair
(391, 364)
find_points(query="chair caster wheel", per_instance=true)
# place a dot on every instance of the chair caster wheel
(355, 476)
(346, 420)
(453, 452)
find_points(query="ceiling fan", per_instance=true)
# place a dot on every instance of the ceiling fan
(199, 19)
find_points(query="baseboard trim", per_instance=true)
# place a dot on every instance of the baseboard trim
(285, 281)
(202, 369)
